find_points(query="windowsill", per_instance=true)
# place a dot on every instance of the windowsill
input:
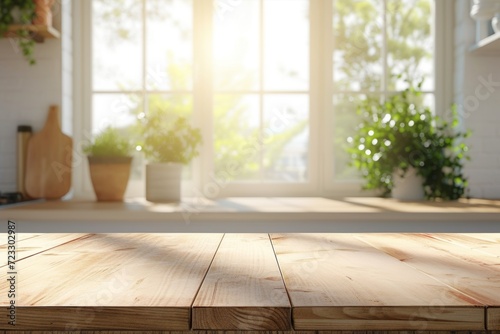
(361, 214)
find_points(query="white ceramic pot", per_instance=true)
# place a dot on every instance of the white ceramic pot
(16, 15)
(495, 23)
(409, 187)
(163, 182)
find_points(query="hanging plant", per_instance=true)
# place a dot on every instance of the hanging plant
(19, 12)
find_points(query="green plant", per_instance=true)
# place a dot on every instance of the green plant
(26, 10)
(401, 132)
(166, 138)
(109, 143)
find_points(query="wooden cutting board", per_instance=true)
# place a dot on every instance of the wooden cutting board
(49, 160)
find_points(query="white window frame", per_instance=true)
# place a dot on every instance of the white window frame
(320, 158)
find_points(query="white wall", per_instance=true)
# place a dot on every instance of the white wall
(479, 104)
(26, 92)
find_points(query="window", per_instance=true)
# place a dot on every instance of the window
(261, 91)
(380, 46)
(273, 84)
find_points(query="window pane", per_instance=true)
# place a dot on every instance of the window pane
(117, 53)
(172, 106)
(346, 119)
(286, 137)
(169, 44)
(358, 42)
(117, 110)
(236, 45)
(236, 137)
(409, 43)
(286, 44)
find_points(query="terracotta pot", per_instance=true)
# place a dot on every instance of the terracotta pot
(43, 12)
(109, 177)
(163, 182)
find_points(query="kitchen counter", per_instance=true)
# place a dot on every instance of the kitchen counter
(258, 215)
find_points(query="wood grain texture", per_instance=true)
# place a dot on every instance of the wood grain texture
(29, 244)
(97, 318)
(243, 289)
(493, 318)
(474, 274)
(114, 281)
(391, 318)
(49, 160)
(254, 332)
(414, 282)
(336, 282)
(494, 237)
(477, 243)
(208, 332)
(19, 237)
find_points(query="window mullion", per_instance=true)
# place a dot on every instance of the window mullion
(203, 89)
(385, 78)
(144, 57)
(261, 89)
(320, 87)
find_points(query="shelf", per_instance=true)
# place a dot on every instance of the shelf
(39, 32)
(489, 46)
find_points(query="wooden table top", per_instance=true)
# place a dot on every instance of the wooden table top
(258, 282)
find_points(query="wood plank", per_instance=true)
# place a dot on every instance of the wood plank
(75, 319)
(29, 244)
(255, 332)
(474, 274)
(336, 282)
(212, 332)
(477, 243)
(113, 282)
(243, 289)
(19, 237)
(493, 318)
(495, 237)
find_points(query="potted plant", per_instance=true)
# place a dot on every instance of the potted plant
(43, 13)
(109, 157)
(168, 143)
(25, 13)
(399, 142)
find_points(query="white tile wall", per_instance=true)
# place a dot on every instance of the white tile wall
(481, 113)
(26, 92)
